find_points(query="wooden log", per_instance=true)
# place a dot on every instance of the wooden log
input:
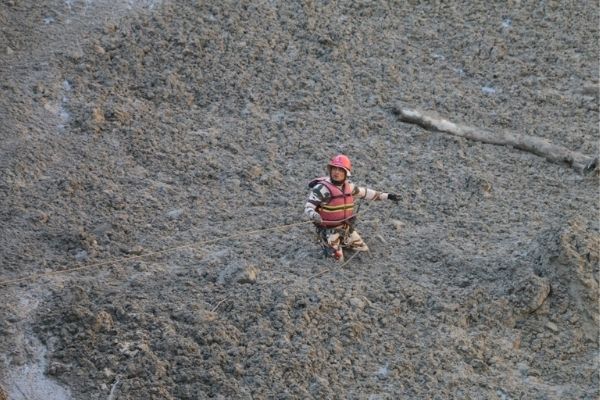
(539, 146)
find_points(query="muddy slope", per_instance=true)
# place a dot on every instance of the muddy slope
(160, 151)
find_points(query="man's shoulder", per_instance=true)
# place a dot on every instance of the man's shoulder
(319, 189)
(319, 182)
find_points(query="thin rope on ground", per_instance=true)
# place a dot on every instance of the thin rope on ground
(153, 253)
(158, 252)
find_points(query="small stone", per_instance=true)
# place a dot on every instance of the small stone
(135, 250)
(122, 216)
(238, 369)
(57, 368)
(530, 293)
(38, 216)
(108, 373)
(75, 55)
(255, 172)
(207, 316)
(99, 49)
(98, 116)
(574, 318)
(248, 275)
(383, 372)
(103, 322)
(357, 303)
(552, 326)
(9, 51)
(398, 225)
(175, 214)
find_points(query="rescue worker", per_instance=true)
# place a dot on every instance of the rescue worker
(330, 206)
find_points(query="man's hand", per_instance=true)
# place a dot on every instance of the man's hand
(393, 197)
(316, 218)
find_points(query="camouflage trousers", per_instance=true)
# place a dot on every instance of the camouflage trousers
(334, 240)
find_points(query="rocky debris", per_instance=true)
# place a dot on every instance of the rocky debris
(167, 150)
(529, 294)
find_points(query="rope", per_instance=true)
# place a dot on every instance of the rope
(160, 252)
(154, 253)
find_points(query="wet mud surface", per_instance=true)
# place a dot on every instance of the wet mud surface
(154, 164)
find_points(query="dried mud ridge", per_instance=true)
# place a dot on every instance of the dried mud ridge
(133, 129)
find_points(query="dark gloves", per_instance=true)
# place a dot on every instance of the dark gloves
(393, 197)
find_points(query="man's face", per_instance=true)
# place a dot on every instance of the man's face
(337, 174)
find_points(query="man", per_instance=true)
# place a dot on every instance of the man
(330, 206)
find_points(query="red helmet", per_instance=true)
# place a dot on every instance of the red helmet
(341, 161)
